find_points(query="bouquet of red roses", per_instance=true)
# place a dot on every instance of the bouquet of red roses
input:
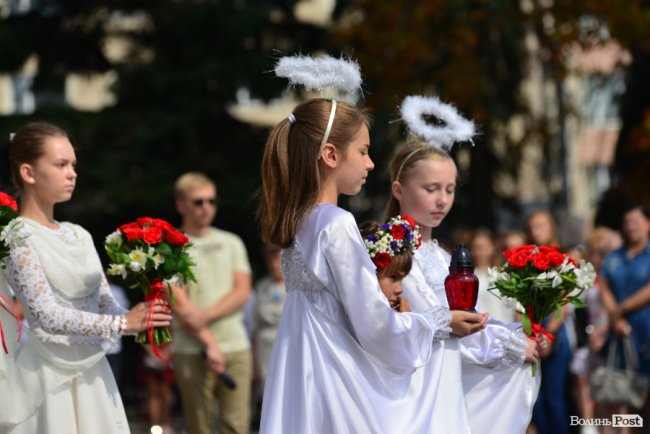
(152, 254)
(10, 236)
(540, 280)
(8, 224)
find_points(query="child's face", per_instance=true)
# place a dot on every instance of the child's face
(391, 286)
(273, 265)
(482, 250)
(428, 193)
(541, 229)
(353, 171)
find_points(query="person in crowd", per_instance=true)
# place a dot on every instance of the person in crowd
(270, 294)
(509, 239)
(59, 380)
(214, 303)
(343, 358)
(587, 358)
(482, 247)
(625, 287)
(554, 404)
(482, 379)
(392, 256)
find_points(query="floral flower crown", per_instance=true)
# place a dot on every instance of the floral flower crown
(399, 235)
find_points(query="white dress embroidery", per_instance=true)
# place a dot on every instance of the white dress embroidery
(59, 379)
(52, 316)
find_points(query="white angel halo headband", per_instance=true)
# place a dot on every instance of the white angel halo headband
(318, 74)
(455, 129)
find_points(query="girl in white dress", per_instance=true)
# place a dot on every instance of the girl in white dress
(342, 358)
(59, 381)
(485, 382)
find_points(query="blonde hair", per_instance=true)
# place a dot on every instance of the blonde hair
(190, 181)
(291, 173)
(401, 165)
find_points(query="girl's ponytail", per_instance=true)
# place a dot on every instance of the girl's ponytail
(291, 171)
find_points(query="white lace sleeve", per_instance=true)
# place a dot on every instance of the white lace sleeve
(440, 319)
(51, 313)
(107, 303)
(497, 346)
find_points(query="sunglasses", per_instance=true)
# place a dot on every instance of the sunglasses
(200, 202)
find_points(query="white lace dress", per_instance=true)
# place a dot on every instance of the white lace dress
(59, 377)
(481, 379)
(343, 360)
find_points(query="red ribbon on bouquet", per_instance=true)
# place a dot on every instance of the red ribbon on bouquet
(537, 328)
(11, 310)
(157, 292)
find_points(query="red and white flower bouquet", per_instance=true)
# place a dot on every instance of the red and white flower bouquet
(151, 254)
(8, 225)
(10, 236)
(538, 280)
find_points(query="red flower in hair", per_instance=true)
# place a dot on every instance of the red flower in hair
(382, 260)
(397, 232)
(409, 219)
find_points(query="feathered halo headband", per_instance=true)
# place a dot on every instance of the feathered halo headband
(453, 128)
(321, 74)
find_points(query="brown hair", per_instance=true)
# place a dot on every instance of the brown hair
(27, 146)
(291, 172)
(554, 235)
(402, 164)
(190, 181)
(401, 263)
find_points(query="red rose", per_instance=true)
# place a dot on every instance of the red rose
(162, 224)
(382, 259)
(143, 222)
(153, 235)
(6, 200)
(527, 248)
(131, 225)
(132, 233)
(548, 249)
(540, 261)
(520, 258)
(555, 258)
(409, 219)
(397, 232)
(176, 238)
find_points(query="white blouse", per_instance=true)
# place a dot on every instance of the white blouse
(52, 315)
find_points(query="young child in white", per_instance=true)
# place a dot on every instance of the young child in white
(342, 356)
(482, 378)
(391, 247)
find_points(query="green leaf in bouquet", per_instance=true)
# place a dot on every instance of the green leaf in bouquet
(170, 265)
(525, 324)
(164, 249)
